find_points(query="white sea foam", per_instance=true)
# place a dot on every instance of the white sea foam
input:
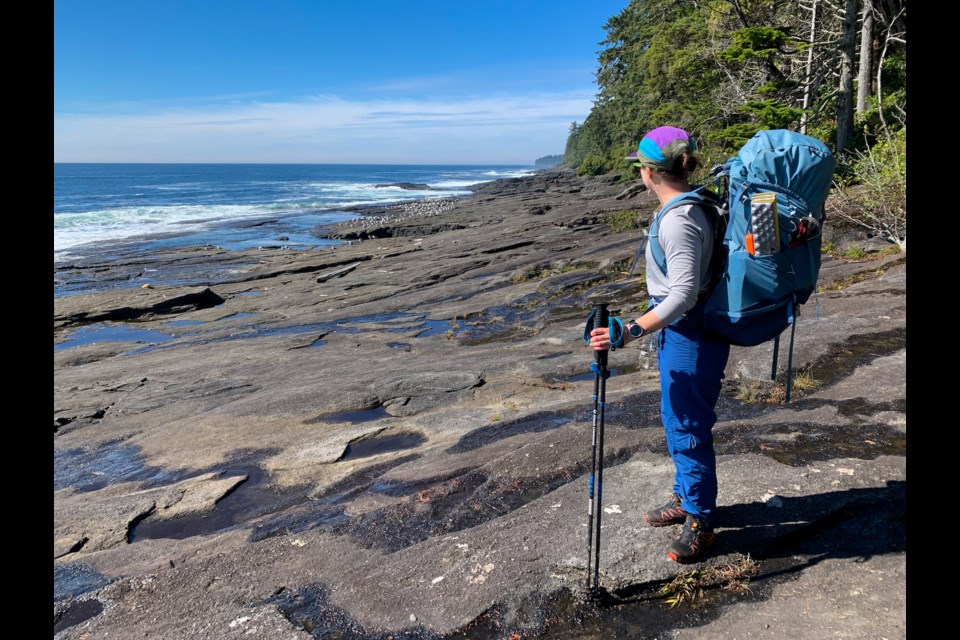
(71, 230)
(380, 191)
(457, 184)
(515, 173)
(205, 207)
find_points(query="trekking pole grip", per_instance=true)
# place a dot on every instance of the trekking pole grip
(603, 320)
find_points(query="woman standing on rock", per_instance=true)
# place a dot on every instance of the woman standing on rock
(691, 365)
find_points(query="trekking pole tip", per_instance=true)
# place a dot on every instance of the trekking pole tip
(600, 597)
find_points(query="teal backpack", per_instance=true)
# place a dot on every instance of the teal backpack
(768, 213)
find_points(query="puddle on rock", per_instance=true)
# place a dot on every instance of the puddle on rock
(620, 370)
(523, 318)
(408, 322)
(245, 332)
(184, 323)
(112, 463)
(437, 327)
(377, 445)
(355, 416)
(75, 579)
(404, 322)
(108, 332)
(236, 507)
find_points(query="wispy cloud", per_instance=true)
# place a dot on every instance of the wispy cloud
(502, 128)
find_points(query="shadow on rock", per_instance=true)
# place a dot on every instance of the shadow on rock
(854, 523)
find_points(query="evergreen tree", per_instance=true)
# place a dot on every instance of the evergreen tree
(725, 69)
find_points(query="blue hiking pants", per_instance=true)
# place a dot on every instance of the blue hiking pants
(691, 370)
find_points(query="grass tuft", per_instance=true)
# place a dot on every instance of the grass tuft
(803, 381)
(688, 586)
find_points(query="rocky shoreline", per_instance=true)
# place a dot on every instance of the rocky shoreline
(391, 438)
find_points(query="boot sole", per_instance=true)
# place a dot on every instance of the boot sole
(695, 557)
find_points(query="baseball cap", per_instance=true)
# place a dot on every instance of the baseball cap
(661, 147)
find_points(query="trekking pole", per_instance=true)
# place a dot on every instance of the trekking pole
(599, 391)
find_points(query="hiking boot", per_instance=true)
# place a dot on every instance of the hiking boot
(696, 536)
(670, 513)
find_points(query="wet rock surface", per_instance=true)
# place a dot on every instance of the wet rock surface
(402, 449)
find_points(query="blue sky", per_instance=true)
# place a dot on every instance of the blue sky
(430, 81)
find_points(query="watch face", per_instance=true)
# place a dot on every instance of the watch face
(636, 330)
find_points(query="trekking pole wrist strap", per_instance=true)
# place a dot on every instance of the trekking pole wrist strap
(615, 326)
(616, 332)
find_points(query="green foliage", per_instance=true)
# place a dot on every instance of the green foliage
(776, 87)
(548, 161)
(889, 158)
(622, 220)
(874, 192)
(765, 43)
(654, 71)
(724, 70)
(823, 130)
(735, 136)
(594, 164)
(853, 253)
(887, 110)
(772, 114)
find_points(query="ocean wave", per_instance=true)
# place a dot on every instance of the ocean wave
(458, 184)
(518, 173)
(208, 203)
(71, 230)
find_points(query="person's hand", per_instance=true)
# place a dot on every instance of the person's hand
(600, 339)
(604, 338)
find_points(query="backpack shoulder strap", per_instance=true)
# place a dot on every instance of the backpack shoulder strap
(691, 197)
(714, 204)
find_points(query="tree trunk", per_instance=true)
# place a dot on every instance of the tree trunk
(848, 42)
(865, 77)
(808, 74)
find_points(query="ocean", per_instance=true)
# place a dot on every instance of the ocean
(102, 209)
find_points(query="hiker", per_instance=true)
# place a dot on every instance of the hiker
(691, 365)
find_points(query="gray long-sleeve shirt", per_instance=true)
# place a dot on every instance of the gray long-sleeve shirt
(686, 235)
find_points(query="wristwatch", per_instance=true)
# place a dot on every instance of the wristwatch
(635, 330)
